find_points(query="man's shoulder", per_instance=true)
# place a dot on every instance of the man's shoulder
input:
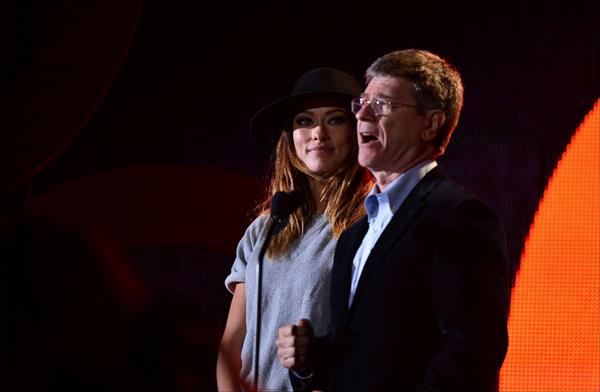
(449, 191)
(453, 201)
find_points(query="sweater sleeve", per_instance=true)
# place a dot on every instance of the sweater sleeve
(245, 248)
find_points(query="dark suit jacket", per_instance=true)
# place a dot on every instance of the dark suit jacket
(430, 310)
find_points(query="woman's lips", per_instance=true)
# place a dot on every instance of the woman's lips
(320, 149)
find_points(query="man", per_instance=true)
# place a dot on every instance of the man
(420, 289)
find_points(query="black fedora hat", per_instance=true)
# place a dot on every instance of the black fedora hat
(267, 124)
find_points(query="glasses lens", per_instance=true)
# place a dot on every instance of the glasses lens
(378, 106)
(357, 104)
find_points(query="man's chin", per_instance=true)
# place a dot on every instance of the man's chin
(367, 161)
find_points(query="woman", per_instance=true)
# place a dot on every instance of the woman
(312, 137)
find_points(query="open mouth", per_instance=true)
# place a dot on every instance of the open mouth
(367, 137)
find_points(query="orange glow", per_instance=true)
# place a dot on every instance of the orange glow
(554, 324)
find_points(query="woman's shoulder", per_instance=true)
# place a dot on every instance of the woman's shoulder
(257, 225)
(259, 222)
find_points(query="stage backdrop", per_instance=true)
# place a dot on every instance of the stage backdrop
(107, 91)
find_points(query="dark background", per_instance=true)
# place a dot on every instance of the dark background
(93, 88)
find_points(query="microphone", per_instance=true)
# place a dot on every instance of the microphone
(282, 205)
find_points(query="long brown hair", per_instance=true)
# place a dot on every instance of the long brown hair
(343, 193)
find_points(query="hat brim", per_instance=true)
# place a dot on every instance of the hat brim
(268, 123)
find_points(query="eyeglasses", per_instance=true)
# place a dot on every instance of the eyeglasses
(380, 106)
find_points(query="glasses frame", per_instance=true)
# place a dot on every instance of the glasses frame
(379, 106)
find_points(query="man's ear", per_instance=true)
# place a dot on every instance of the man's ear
(436, 119)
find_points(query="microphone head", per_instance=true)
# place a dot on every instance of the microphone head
(282, 205)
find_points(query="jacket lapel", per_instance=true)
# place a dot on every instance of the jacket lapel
(341, 273)
(405, 216)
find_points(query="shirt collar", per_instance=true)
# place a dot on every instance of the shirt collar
(397, 190)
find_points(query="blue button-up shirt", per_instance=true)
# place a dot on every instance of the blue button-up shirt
(381, 207)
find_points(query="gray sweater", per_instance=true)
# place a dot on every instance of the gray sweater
(295, 285)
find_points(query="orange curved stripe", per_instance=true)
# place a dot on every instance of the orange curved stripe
(554, 324)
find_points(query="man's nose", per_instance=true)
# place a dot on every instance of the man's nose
(365, 113)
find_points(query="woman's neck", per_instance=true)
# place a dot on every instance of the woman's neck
(316, 189)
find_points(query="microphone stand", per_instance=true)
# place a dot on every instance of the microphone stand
(282, 205)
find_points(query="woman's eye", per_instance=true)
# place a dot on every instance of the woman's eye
(303, 121)
(337, 120)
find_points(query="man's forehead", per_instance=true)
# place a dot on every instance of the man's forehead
(387, 86)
